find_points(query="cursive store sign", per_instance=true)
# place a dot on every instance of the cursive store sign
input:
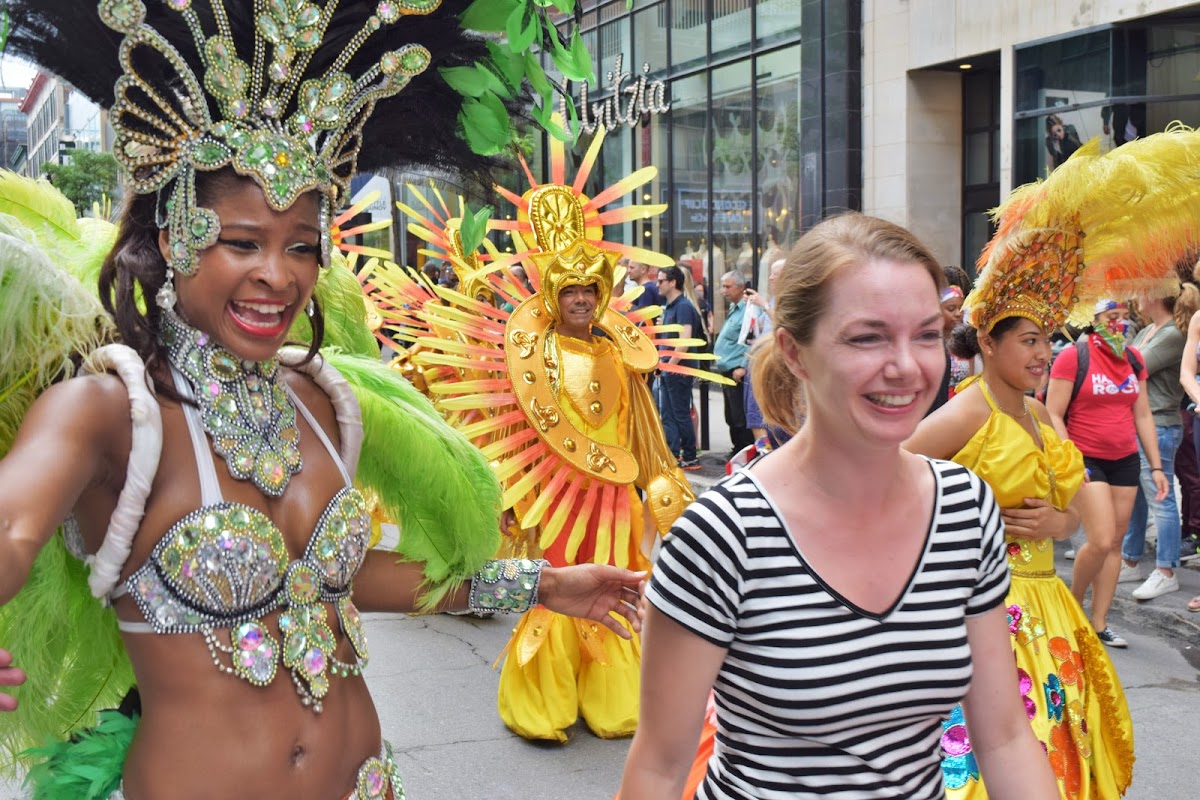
(627, 103)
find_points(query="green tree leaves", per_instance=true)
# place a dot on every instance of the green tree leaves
(86, 179)
(513, 62)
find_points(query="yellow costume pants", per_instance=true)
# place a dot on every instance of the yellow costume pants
(576, 667)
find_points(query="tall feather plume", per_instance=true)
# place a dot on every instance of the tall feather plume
(1137, 208)
(46, 315)
(47, 318)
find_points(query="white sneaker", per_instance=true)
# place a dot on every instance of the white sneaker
(1156, 586)
(1130, 574)
(1070, 554)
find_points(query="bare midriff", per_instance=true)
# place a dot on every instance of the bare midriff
(206, 734)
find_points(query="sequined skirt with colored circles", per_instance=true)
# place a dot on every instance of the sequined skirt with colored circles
(1072, 695)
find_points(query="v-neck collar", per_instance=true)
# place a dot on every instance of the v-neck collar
(878, 616)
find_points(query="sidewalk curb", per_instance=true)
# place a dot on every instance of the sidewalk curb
(1167, 614)
(1163, 619)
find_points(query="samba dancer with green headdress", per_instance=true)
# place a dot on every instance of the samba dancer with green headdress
(217, 488)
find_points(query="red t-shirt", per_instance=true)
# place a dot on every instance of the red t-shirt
(1100, 418)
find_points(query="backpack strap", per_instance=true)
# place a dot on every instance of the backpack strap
(1083, 357)
(144, 453)
(1083, 354)
(1134, 362)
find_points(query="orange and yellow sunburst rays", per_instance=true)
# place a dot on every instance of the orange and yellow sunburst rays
(595, 217)
(398, 295)
(338, 234)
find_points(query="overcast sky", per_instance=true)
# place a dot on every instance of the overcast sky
(16, 73)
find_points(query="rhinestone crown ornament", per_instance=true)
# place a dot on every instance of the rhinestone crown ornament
(291, 134)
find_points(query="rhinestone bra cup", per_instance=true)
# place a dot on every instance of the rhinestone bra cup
(226, 566)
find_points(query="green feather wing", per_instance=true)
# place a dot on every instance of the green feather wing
(47, 316)
(66, 641)
(68, 645)
(38, 206)
(430, 479)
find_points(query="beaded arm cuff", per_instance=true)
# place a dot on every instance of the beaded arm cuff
(509, 585)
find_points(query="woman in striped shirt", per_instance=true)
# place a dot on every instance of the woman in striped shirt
(840, 596)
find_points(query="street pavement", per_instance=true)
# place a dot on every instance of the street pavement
(435, 689)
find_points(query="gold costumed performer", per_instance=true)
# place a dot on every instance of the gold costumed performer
(1101, 224)
(555, 395)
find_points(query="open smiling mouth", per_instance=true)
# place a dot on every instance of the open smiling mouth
(264, 317)
(892, 400)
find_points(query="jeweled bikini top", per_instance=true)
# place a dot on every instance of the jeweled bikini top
(226, 565)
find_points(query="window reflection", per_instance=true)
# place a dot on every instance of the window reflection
(778, 156)
(689, 206)
(777, 19)
(733, 172)
(650, 38)
(1116, 85)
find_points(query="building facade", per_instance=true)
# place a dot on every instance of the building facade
(60, 119)
(731, 128)
(752, 119)
(965, 100)
(14, 137)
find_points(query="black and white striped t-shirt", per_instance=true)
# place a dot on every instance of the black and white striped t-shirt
(817, 698)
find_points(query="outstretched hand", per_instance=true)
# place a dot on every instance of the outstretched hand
(594, 591)
(9, 676)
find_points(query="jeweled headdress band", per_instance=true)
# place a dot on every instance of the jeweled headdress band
(1034, 281)
(291, 134)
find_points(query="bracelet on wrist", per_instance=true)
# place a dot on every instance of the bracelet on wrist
(509, 585)
(1158, 469)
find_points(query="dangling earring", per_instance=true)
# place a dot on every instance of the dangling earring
(310, 309)
(165, 299)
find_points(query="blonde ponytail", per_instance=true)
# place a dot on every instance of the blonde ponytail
(779, 393)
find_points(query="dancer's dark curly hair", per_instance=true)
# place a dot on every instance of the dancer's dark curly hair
(134, 270)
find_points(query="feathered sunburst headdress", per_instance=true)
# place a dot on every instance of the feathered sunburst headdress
(1101, 225)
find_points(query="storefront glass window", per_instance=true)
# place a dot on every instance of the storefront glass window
(616, 161)
(777, 157)
(689, 168)
(689, 34)
(731, 21)
(733, 168)
(650, 37)
(777, 19)
(1131, 81)
(614, 41)
(1063, 72)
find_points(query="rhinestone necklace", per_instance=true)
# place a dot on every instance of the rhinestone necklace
(243, 406)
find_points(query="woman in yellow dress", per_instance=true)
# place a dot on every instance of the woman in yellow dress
(1072, 695)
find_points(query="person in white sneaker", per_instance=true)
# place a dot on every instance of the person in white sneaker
(1100, 381)
(1161, 345)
